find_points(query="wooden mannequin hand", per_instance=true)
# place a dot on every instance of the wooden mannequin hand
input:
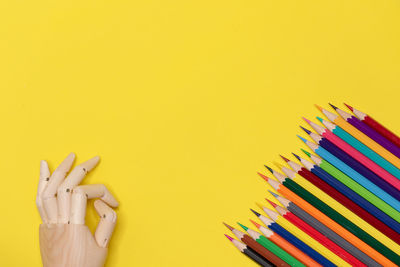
(65, 240)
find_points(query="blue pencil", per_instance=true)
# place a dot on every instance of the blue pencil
(353, 174)
(294, 240)
(354, 164)
(372, 155)
(356, 198)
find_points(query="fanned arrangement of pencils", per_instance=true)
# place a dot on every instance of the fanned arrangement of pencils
(339, 205)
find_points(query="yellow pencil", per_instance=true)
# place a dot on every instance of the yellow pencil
(293, 229)
(378, 235)
(361, 137)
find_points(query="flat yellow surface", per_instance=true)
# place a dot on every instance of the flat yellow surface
(184, 101)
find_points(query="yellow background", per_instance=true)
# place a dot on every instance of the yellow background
(184, 101)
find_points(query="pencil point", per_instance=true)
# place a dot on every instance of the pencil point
(306, 130)
(297, 157)
(230, 238)
(271, 170)
(306, 152)
(335, 108)
(244, 227)
(259, 205)
(272, 203)
(228, 226)
(318, 107)
(280, 166)
(255, 223)
(272, 193)
(302, 139)
(263, 176)
(256, 213)
(320, 119)
(349, 107)
(285, 159)
(307, 120)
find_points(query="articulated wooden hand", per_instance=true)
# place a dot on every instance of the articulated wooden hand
(65, 240)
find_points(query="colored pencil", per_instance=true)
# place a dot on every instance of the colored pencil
(342, 198)
(349, 198)
(354, 153)
(353, 185)
(323, 240)
(371, 133)
(250, 253)
(361, 137)
(306, 238)
(271, 246)
(268, 255)
(379, 192)
(294, 240)
(293, 208)
(354, 164)
(365, 150)
(339, 213)
(339, 229)
(287, 246)
(368, 120)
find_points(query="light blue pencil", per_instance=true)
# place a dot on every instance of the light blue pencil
(353, 174)
(372, 155)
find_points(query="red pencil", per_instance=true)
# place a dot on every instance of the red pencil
(317, 235)
(376, 126)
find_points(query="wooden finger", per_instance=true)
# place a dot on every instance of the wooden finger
(105, 228)
(65, 189)
(43, 181)
(81, 193)
(49, 193)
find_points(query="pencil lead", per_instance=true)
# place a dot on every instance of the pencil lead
(349, 107)
(280, 166)
(230, 238)
(318, 107)
(256, 213)
(244, 227)
(255, 223)
(272, 193)
(306, 130)
(263, 176)
(259, 205)
(320, 119)
(307, 120)
(306, 152)
(334, 107)
(272, 203)
(285, 159)
(302, 139)
(228, 226)
(271, 170)
(297, 157)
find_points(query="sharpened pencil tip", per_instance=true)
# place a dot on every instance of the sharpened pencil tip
(349, 107)
(272, 203)
(302, 139)
(306, 130)
(244, 227)
(320, 119)
(272, 193)
(263, 176)
(230, 238)
(307, 120)
(256, 213)
(285, 159)
(334, 107)
(255, 223)
(318, 107)
(271, 170)
(228, 226)
(306, 152)
(297, 157)
(259, 205)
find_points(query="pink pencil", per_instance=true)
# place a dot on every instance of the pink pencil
(378, 170)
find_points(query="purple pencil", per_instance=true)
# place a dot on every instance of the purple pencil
(371, 133)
